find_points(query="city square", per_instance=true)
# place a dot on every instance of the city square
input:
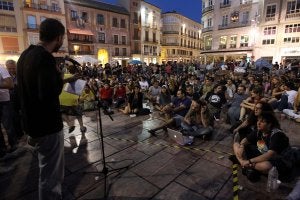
(134, 99)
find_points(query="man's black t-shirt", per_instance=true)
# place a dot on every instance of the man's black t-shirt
(39, 85)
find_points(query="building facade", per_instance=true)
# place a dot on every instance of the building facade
(181, 39)
(279, 31)
(145, 25)
(98, 31)
(229, 31)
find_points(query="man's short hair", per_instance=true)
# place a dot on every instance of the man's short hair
(9, 62)
(50, 29)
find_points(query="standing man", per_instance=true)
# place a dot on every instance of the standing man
(40, 84)
(6, 83)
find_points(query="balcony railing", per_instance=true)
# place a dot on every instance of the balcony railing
(42, 7)
(170, 32)
(81, 52)
(32, 26)
(81, 41)
(170, 44)
(233, 25)
(136, 51)
(222, 46)
(207, 48)
(207, 9)
(232, 46)
(292, 15)
(8, 29)
(267, 19)
(225, 4)
(207, 29)
(146, 53)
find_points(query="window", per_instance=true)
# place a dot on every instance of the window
(268, 41)
(225, 20)
(292, 28)
(84, 16)
(208, 42)
(74, 15)
(271, 30)
(31, 22)
(210, 2)
(55, 7)
(209, 22)
(101, 37)
(291, 40)
(123, 23)
(293, 7)
(146, 36)
(115, 22)
(245, 17)
(136, 34)
(100, 19)
(117, 53)
(135, 18)
(244, 41)
(116, 39)
(233, 41)
(223, 42)
(124, 40)
(271, 11)
(154, 37)
(6, 5)
(124, 51)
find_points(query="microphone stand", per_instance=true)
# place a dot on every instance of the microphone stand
(105, 169)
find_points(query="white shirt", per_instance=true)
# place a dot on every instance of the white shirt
(4, 93)
(291, 96)
(144, 85)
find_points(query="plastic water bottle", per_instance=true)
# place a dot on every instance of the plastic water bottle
(273, 182)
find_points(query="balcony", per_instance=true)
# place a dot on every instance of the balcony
(9, 29)
(170, 44)
(42, 7)
(207, 29)
(232, 46)
(225, 4)
(81, 41)
(233, 25)
(268, 19)
(292, 15)
(207, 48)
(136, 51)
(81, 52)
(171, 32)
(208, 9)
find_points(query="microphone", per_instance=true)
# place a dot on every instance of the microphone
(74, 62)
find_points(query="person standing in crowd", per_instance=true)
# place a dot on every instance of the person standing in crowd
(6, 83)
(40, 83)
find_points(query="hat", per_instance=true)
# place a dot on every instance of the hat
(165, 86)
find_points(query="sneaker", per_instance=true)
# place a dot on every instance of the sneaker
(83, 129)
(152, 132)
(71, 129)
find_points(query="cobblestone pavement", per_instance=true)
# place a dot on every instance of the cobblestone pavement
(158, 168)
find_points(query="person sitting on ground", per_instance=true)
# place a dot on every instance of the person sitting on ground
(135, 102)
(106, 95)
(294, 113)
(179, 105)
(119, 95)
(153, 92)
(87, 99)
(277, 89)
(215, 100)
(249, 125)
(207, 86)
(198, 121)
(287, 98)
(262, 150)
(164, 98)
(234, 110)
(247, 105)
(175, 111)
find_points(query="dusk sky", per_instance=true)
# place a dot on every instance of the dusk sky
(188, 8)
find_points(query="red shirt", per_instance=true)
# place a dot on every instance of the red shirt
(106, 93)
(120, 92)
